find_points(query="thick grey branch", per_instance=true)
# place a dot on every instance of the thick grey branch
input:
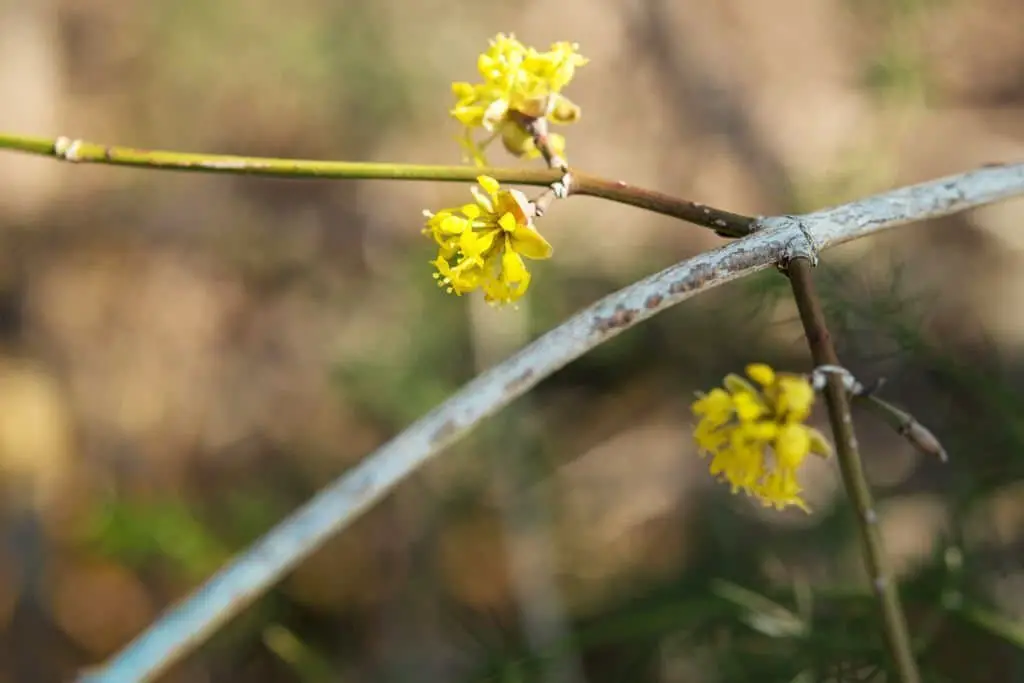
(916, 203)
(229, 591)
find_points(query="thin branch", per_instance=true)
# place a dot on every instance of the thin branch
(724, 223)
(538, 129)
(905, 424)
(897, 637)
(80, 151)
(234, 587)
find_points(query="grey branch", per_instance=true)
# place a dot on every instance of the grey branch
(249, 575)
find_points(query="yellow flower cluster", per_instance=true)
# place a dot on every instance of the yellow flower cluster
(482, 245)
(756, 433)
(519, 84)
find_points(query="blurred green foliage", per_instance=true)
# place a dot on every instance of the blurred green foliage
(146, 532)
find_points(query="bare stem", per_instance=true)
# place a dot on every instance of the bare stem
(894, 621)
(81, 151)
(724, 223)
(906, 425)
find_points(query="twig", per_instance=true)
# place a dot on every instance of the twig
(905, 424)
(81, 151)
(808, 304)
(229, 591)
(538, 129)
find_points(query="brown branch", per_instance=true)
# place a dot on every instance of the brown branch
(897, 637)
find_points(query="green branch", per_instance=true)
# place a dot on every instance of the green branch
(80, 151)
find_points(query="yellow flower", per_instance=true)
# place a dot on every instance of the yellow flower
(519, 84)
(482, 245)
(756, 435)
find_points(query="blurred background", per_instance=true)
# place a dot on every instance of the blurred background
(184, 359)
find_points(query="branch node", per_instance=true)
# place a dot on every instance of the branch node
(563, 188)
(804, 246)
(819, 378)
(560, 189)
(66, 149)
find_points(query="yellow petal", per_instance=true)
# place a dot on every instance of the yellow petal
(489, 184)
(819, 444)
(507, 223)
(795, 397)
(792, 445)
(471, 116)
(530, 243)
(748, 406)
(710, 436)
(512, 267)
(482, 200)
(744, 465)
(738, 385)
(763, 431)
(465, 277)
(461, 89)
(761, 373)
(475, 244)
(515, 203)
(717, 402)
(442, 266)
(453, 225)
(511, 283)
(781, 489)
(486, 65)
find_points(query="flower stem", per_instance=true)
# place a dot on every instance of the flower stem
(897, 637)
(80, 151)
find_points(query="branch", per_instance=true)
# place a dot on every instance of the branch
(234, 587)
(933, 199)
(80, 151)
(823, 352)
